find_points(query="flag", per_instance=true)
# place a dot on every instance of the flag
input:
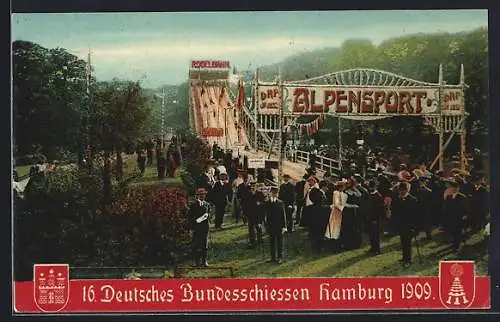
(241, 95)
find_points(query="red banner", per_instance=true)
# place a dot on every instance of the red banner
(270, 294)
(212, 131)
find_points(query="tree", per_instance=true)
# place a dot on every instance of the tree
(357, 53)
(48, 94)
(118, 117)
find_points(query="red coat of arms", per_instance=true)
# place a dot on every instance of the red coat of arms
(51, 286)
(457, 284)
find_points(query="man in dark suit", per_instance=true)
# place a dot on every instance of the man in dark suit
(479, 204)
(252, 203)
(287, 195)
(219, 196)
(299, 198)
(455, 209)
(199, 217)
(319, 215)
(376, 212)
(275, 222)
(403, 209)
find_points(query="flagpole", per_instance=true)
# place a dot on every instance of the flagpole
(89, 98)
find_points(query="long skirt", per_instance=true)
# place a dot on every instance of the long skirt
(334, 224)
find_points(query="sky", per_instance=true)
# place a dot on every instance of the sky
(157, 47)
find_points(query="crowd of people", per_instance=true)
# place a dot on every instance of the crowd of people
(338, 209)
(168, 159)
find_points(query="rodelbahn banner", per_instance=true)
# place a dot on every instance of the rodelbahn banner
(51, 291)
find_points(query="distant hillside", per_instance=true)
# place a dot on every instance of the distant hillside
(304, 65)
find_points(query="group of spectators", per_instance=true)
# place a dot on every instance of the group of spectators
(339, 208)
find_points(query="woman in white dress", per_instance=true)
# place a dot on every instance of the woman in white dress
(339, 202)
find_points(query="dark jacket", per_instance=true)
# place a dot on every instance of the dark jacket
(299, 192)
(275, 216)
(454, 209)
(377, 207)
(404, 213)
(220, 194)
(287, 193)
(197, 209)
(253, 205)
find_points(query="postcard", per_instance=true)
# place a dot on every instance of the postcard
(300, 161)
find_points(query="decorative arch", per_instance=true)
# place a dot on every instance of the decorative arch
(362, 77)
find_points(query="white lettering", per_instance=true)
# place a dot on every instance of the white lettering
(187, 294)
(109, 293)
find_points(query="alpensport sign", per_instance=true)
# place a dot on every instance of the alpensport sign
(456, 287)
(383, 101)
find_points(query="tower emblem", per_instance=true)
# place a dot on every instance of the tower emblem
(457, 284)
(51, 286)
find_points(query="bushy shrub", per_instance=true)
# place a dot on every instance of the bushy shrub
(195, 155)
(56, 220)
(150, 227)
(62, 220)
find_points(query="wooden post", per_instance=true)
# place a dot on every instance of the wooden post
(340, 141)
(441, 119)
(280, 124)
(463, 133)
(255, 109)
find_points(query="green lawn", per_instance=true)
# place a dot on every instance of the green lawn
(150, 176)
(228, 249)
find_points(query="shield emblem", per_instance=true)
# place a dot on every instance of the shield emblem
(457, 284)
(51, 286)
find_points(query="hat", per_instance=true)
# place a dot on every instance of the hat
(312, 178)
(404, 176)
(460, 172)
(274, 188)
(199, 189)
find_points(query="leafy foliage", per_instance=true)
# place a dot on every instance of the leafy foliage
(149, 227)
(48, 95)
(195, 153)
(63, 220)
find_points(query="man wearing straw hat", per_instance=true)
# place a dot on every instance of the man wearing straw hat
(199, 217)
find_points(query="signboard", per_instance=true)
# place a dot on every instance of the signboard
(453, 101)
(209, 69)
(210, 64)
(269, 100)
(359, 101)
(256, 163)
(212, 131)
